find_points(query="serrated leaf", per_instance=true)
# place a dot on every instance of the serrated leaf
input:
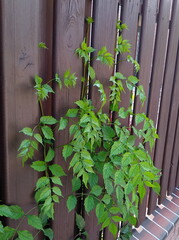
(89, 203)
(7, 233)
(114, 210)
(38, 137)
(113, 229)
(127, 159)
(106, 223)
(80, 222)
(35, 222)
(119, 178)
(50, 155)
(108, 170)
(129, 187)
(119, 195)
(25, 235)
(99, 210)
(63, 123)
(47, 132)
(108, 133)
(42, 194)
(140, 117)
(43, 181)
(109, 186)
(134, 170)
(71, 202)
(76, 184)
(13, 212)
(27, 131)
(48, 120)
(116, 219)
(96, 190)
(106, 199)
(56, 180)
(117, 148)
(48, 232)
(92, 73)
(85, 178)
(57, 191)
(67, 151)
(141, 155)
(141, 191)
(39, 166)
(24, 144)
(55, 198)
(57, 170)
(72, 112)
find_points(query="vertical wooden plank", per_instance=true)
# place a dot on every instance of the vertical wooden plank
(20, 37)
(158, 75)
(130, 13)
(146, 48)
(174, 162)
(104, 34)
(69, 29)
(167, 95)
(169, 141)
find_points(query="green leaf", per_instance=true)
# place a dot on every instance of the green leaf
(69, 79)
(47, 132)
(42, 182)
(140, 117)
(50, 155)
(71, 202)
(56, 180)
(27, 131)
(96, 190)
(92, 73)
(42, 194)
(133, 79)
(140, 154)
(80, 222)
(134, 170)
(113, 229)
(85, 178)
(38, 137)
(117, 148)
(106, 223)
(48, 120)
(63, 123)
(108, 170)
(114, 210)
(141, 190)
(119, 178)
(89, 203)
(42, 45)
(117, 219)
(99, 210)
(119, 195)
(25, 144)
(73, 129)
(106, 199)
(7, 233)
(39, 166)
(48, 232)
(25, 235)
(76, 184)
(108, 133)
(13, 212)
(67, 151)
(89, 20)
(72, 112)
(57, 170)
(108, 186)
(129, 187)
(57, 191)
(127, 159)
(35, 222)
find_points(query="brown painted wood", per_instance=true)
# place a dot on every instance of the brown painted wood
(103, 34)
(174, 162)
(167, 95)
(158, 75)
(20, 38)
(69, 29)
(146, 52)
(170, 134)
(129, 15)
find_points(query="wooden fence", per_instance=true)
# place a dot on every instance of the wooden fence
(154, 34)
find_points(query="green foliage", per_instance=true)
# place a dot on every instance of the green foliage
(97, 146)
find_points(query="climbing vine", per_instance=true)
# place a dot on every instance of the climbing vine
(99, 147)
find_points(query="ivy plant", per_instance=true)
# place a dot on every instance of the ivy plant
(99, 147)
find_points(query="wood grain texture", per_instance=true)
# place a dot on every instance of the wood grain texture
(130, 13)
(20, 37)
(146, 52)
(175, 158)
(157, 79)
(69, 29)
(167, 94)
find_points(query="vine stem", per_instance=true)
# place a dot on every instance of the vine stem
(22, 219)
(41, 108)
